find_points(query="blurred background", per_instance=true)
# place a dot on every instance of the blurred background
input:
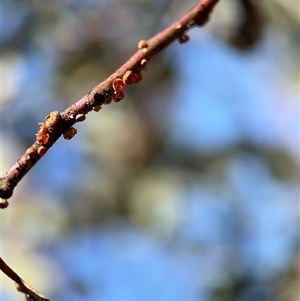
(188, 188)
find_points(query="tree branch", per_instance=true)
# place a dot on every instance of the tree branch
(57, 124)
(30, 293)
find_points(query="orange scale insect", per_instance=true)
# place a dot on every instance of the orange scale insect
(42, 137)
(118, 84)
(3, 203)
(30, 152)
(118, 95)
(42, 150)
(69, 133)
(128, 77)
(80, 117)
(142, 44)
(183, 39)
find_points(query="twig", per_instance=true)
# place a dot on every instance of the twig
(30, 293)
(58, 124)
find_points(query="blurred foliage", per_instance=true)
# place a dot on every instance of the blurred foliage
(213, 201)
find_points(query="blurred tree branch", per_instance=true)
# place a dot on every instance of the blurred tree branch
(30, 293)
(250, 28)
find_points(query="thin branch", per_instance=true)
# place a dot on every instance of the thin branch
(30, 293)
(57, 124)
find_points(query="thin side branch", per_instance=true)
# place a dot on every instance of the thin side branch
(30, 293)
(57, 124)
